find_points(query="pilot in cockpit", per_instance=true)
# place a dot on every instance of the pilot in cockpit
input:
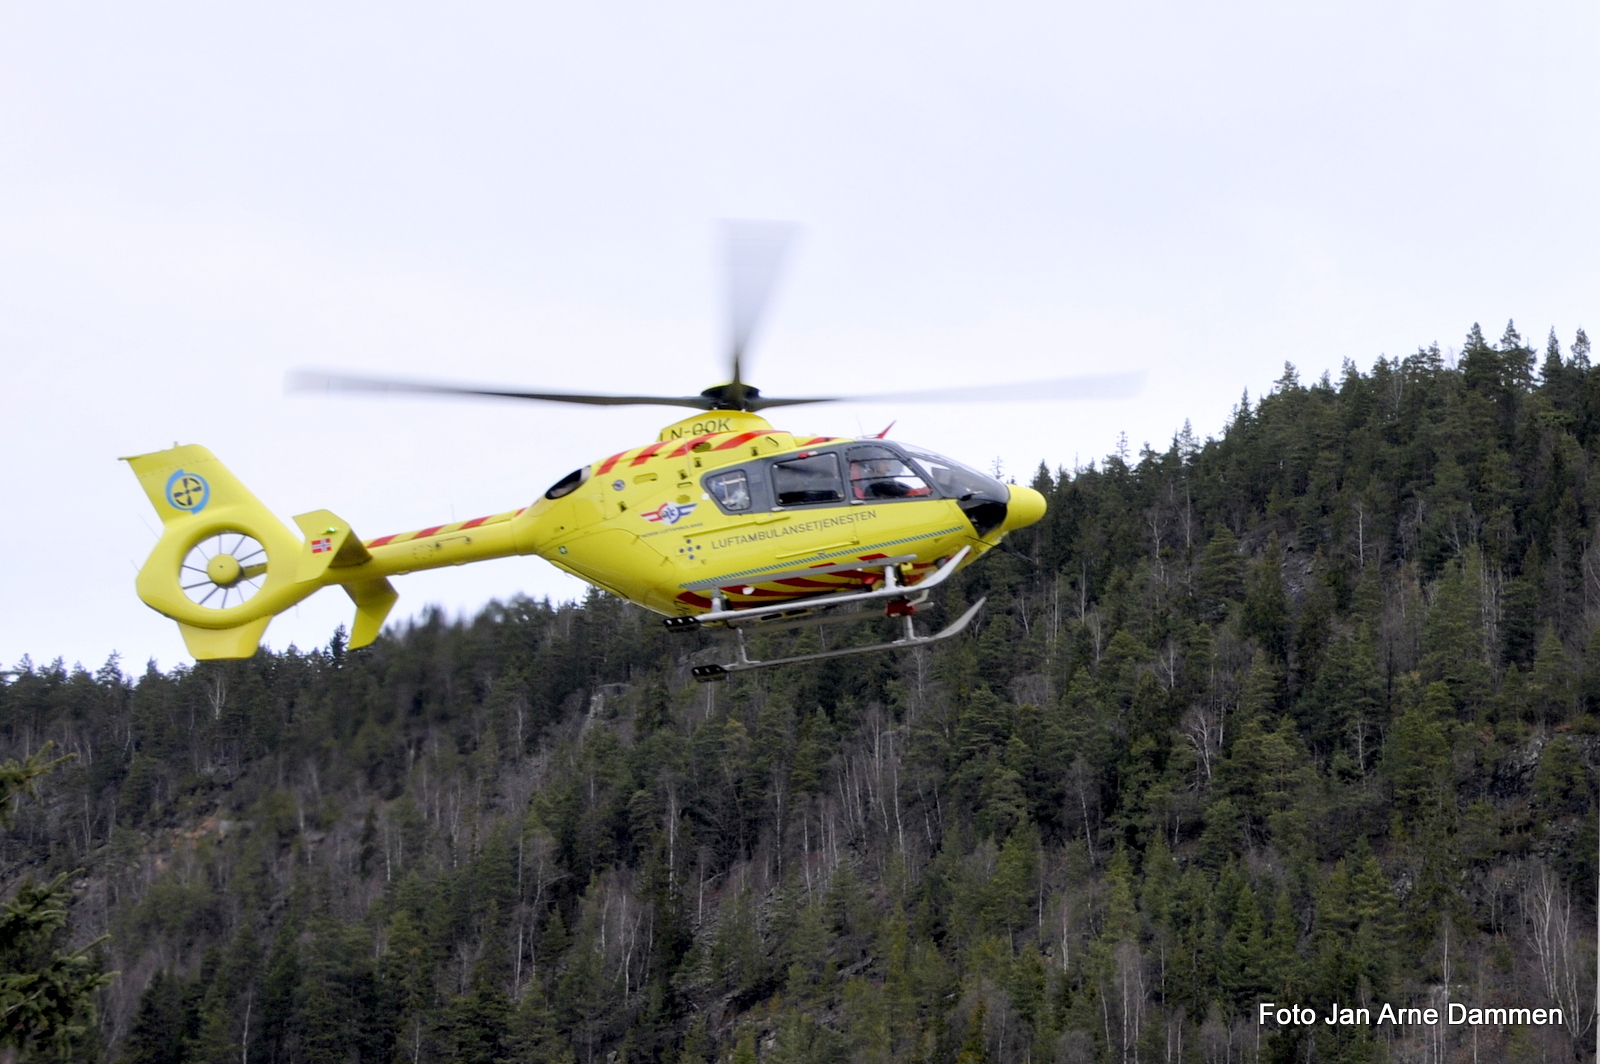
(883, 475)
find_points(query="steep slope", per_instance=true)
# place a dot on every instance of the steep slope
(1304, 713)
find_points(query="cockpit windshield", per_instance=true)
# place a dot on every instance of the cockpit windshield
(955, 480)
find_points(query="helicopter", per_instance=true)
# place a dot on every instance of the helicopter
(722, 522)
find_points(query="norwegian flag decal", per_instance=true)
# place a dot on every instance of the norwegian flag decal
(321, 546)
(669, 512)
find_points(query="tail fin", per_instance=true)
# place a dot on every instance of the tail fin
(224, 565)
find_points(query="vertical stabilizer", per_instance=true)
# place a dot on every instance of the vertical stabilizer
(224, 564)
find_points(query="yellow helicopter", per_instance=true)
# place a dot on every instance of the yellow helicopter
(722, 521)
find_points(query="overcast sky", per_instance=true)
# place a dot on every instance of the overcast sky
(197, 197)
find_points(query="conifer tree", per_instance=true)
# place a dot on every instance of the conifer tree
(1219, 578)
(46, 991)
(1266, 605)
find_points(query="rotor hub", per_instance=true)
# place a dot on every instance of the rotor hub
(735, 395)
(224, 570)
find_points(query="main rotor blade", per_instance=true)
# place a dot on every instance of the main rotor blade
(1087, 386)
(319, 381)
(755, 252)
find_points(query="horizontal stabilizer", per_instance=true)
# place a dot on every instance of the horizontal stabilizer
(330, 544)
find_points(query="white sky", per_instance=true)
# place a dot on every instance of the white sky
(196, 197)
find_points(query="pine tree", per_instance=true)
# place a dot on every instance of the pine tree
(1242, 961)
(476, 1027)
(1417, 755)
(975, 1045)
(534, 1036)
(1219, 576)
(46, 991)
(1266, 605)
(1550, 683)
(1452, 635)
(164, 1023)
(1589, 680)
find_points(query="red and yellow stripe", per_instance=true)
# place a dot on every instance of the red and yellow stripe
(439, 530)
(802, 587)
(713, 441)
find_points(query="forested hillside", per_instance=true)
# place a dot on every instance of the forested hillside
(1303, 713)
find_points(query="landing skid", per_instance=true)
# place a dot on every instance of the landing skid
(708, 673)
(899, 600)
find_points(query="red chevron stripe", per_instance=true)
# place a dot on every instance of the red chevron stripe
(645, 455)
(605, 467)
(741, 438)
(401, 537)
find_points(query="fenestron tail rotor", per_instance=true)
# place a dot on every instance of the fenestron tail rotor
(224, 569)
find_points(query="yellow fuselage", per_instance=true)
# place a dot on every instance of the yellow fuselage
(641, 524)
(642, 527)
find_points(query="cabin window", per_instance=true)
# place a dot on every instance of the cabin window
(568, 484)
(810, 478)
(878, 473)
(730, 489)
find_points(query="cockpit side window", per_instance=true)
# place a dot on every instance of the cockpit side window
(877, 473)
(807, 479)
(731, 490)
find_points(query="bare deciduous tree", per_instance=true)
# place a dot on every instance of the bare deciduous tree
(1562, 960)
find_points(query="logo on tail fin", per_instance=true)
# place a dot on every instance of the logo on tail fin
(188, 492)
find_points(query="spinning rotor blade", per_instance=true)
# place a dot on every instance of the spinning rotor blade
(754, 252)
(318, 381)
(1087, 386)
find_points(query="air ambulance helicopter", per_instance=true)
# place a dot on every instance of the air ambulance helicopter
(723, 521)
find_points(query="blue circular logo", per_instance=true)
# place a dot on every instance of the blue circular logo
(616, 485)
(188, 492)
